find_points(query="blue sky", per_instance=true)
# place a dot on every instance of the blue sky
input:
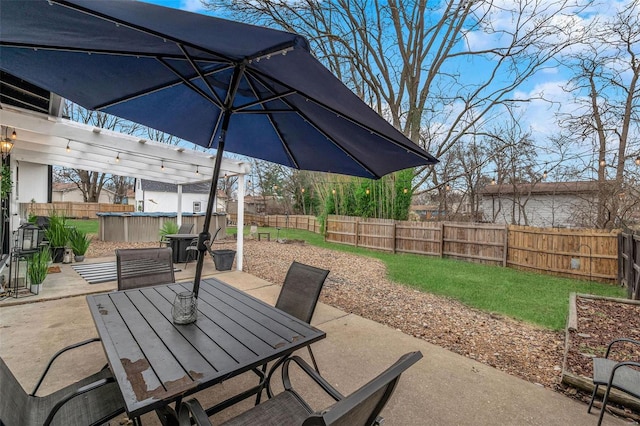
(539, 116)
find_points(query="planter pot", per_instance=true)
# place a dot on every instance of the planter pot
(35, 288)
(78, 257)
(223, 259)
(57, 254)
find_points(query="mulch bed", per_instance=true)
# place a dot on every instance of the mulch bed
(599, 321)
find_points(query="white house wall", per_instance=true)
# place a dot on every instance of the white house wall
(75, 196)
(155, 201)
(543, 210)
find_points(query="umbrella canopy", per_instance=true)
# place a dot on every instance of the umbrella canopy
(217, 83)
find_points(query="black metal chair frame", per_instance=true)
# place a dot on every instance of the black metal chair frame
(143, 267)
(101, 383)
(361, 407)
(616, 375)
(300, 293)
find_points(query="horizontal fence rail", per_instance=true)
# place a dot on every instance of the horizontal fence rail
(71, 209)
(575, 253)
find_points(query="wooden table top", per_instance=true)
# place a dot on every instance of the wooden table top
(156, 361)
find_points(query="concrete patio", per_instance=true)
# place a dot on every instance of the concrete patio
(442, 389)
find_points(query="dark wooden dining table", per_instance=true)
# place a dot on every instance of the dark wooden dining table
(156, 362)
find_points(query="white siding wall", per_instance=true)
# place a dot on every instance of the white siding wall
(543, 210)
(168, 202)
(76, 196)
(30, 182)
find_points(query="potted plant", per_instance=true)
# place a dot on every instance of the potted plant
(58, 235)
(79, 242)
(168, 228)
(37, 269)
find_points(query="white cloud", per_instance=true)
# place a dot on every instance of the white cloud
(191, 5)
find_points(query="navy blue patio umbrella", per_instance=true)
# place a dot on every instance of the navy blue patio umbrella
(217, 83)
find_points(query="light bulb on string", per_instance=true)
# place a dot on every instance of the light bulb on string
(197, 170)
(118, 158)
(602, 163)
(162, 166)
(14, 135)
(68, 147)
(637, 161)
(544, 174)
(493, 181)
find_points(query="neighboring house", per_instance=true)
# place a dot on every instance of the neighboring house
(543, 204)
(152, 196)
(70, 192)
(428, 212)
(257, 204)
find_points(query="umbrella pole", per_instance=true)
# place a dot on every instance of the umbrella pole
(205, 235)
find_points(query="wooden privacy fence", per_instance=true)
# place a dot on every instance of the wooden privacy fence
(477, 242)
(583, 254)
(72, 209)
(578, 253)
(629, 263)
(307, 223)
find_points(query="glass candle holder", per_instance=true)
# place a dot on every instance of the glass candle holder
(185, 308)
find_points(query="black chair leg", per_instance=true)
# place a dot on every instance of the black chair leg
(604, 404)
(313, 359)
(593, 396)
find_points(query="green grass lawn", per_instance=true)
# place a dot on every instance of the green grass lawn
(89, 226)
(534, 298)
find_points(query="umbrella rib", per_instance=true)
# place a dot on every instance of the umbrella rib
(103, 52)
(199, 72)
(413, 147)
(135, 27)
(274, 124)
(262, 101)
(158, 88)
(321, 131)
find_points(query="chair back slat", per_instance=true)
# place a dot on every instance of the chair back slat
(14, 402)
(185, 228)
(364, 405)
(144, 267)
(301, 290)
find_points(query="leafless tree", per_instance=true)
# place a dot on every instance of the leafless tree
(437, 70)
(605, 84)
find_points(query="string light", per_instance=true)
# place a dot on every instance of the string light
(118, 158)
(197, 170)
(162, 166)
(544, 174)
(493, 181)
(603, 163)
(448, 187)
(405, 190)
(638, 161)
(14, 135)
(68, 147)
(333, 191)
(302, 190)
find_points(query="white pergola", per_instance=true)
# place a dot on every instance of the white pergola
(49, 140)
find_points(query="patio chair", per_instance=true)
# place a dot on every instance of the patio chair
(144, 267)
(192, 249)
(185, 228)
(362, 407)
(90, 401)
(613, 374)
(300, 293)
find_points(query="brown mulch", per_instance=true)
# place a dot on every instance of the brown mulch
(600, 322)
(359, 285)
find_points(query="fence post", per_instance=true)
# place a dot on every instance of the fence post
(394, 237)
(357, 231)
(506, 246)
(441, 239)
